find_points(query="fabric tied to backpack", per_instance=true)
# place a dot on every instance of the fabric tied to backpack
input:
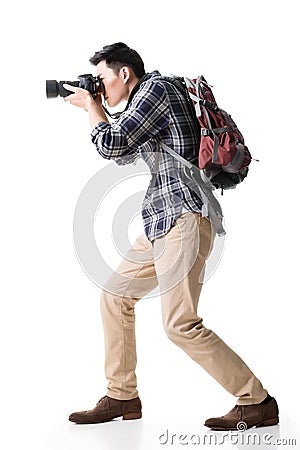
(194, 178)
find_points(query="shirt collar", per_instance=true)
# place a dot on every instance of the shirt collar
(146, 77)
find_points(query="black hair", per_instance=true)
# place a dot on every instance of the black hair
(118, 55)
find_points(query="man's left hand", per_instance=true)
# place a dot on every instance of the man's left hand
(81, 97)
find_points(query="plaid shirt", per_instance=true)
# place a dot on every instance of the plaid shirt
(156, 112)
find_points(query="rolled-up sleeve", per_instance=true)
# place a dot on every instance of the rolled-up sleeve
(145, 117)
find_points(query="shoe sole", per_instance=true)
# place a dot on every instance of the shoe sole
(132, 416)
(127, 416)
(264, 423)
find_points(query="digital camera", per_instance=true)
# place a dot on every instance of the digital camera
(89, 82)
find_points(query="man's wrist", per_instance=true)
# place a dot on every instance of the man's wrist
(96, 113)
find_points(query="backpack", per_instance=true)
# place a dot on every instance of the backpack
(223, 158)
(223, 155)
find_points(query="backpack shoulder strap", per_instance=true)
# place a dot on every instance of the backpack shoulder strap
(181, 84)
(200, 184)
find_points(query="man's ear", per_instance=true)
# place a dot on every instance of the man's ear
(125, 74)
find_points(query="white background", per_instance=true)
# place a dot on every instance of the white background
(51, 336)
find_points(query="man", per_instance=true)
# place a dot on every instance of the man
(173, 251)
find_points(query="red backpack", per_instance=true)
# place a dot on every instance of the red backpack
(223, 155)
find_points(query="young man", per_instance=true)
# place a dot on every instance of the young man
(173, 251)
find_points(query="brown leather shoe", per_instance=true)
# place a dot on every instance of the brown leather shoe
(109, 408)
(244, 417)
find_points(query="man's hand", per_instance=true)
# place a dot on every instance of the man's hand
(83, 99)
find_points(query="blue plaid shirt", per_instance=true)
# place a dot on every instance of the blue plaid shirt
(156, 112)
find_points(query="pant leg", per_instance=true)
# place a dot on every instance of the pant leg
(134, 278)
(180, 265)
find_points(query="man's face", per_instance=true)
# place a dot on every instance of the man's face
(116, 89)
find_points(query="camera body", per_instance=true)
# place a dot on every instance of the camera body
(87, 81)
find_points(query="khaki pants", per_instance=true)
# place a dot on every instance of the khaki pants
(176, 262)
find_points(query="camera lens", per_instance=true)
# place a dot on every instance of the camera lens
(56, 88)
(52, 88)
